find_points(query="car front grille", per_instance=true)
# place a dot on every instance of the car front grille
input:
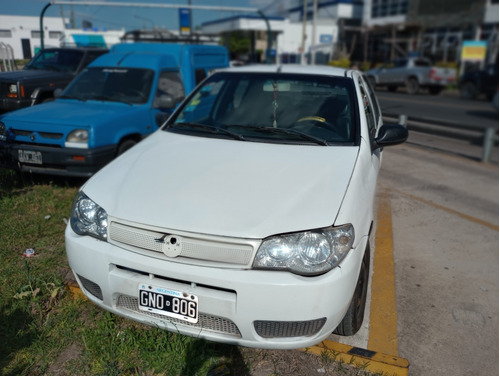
(205, 322)
(150, 242)
(282, 329)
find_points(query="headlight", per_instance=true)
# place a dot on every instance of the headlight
(306, 253)
(78, 138)
(88, 218)
(13, 89)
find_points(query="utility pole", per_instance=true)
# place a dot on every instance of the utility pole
(313, 41)
(303, 46)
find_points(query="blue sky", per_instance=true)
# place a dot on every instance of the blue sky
(135, 17)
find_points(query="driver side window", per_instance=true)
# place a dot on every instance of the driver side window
(169, 85)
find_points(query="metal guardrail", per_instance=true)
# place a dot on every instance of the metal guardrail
(489, 134)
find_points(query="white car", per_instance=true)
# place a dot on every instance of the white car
(245, 219)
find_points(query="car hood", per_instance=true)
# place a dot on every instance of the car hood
(225, 187)
(69, 112)
(31, 74)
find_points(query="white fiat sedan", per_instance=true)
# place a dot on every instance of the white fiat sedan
(245, 219)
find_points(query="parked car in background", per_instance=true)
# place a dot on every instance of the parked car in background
(49, 70)
(479, 82)
(413, 73)
(246, 219)
(119, 99)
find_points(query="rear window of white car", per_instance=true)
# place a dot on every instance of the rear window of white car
(272, 107)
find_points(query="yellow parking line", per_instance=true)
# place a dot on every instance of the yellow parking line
(383, 334)
(382, 353)
(449, 210)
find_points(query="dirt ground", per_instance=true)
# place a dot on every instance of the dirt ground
(281, 363)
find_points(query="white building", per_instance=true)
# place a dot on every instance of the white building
(290, 37)
(22, 33)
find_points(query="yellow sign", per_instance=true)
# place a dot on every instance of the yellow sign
(474, 50)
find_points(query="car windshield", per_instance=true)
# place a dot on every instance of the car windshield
(56, 60)
(127, 85)
(271, 107)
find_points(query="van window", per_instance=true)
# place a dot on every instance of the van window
(170, 84)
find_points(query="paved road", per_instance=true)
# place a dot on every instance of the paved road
(444, 208)
(445, 108)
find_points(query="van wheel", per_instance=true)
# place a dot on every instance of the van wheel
(412, 85)
(353, 318)
(124, 146)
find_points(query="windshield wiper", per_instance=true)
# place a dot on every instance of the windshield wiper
(109, 99)
(290, 132)
(210, 128)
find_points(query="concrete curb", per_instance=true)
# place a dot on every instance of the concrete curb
(368, 360)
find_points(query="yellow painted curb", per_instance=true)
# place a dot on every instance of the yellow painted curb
(383, 336)
(364, 359)
(74, 289)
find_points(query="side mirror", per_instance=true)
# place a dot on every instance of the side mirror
(165, 102)
(58, 92)
(390, 134)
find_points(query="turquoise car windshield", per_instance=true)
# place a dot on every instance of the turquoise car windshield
(127, 85)
(271, 107)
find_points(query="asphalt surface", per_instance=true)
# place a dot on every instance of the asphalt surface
(447, 109)
(443, 205)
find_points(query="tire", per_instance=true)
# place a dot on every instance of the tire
(412, 85)
(353, 318)
(468, 90)
(124, 146)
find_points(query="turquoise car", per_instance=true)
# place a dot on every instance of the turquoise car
(119, 99)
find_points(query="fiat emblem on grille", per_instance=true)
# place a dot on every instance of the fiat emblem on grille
(33, 137)
(170, 245)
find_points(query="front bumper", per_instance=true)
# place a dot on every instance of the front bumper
(10, 104)
(253, 308)
(72, 162)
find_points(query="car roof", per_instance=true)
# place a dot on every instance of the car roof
(291, 68)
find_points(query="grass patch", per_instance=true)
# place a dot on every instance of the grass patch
(45, 330)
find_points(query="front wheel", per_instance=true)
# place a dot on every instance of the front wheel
(124, 146)
(353, 318)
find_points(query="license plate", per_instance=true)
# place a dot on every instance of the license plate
(27, 156)
(176, 304)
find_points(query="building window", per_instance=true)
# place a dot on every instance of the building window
(55, 34)
(35, 34)
(5, 34)
(384, 8)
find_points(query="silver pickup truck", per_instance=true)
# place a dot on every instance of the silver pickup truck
(413, 74)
